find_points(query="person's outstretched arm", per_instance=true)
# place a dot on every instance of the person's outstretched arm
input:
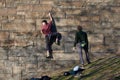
(52, 21)
(50, 15)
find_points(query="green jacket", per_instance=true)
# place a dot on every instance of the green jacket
(81, 36)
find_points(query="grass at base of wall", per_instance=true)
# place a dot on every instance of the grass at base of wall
(107, 68)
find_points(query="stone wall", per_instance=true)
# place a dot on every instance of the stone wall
(22, 45)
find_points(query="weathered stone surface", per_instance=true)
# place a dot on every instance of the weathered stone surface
(4, 36)
(116, 9)
(96, 38)
(97, 1)
(2, 3)
(3, 11)
(7, 11)
(48, 2)
(19, 27)
(95, 18)
(3, 55)
(71, 4)
(22, 52)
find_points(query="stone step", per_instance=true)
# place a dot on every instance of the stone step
(66, 56)
(59, 55)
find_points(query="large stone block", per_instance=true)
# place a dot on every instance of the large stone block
(8, 66)
(8, 1)
(116, 39)
(116, 25)
(3, 11)
(106, 25)
(10, 4)
(116, 9)
(34, 11)
(62, 22)
(7, 11)
(27, 7)
(106, 16)
(73, 11)
(38, 23)
(94, 49)
(108, 40)
(96, 38)
(19, 27)
(95, 18)
(2, 3)
(59, 15)
(30, 21)
(4, 36)
(42, 8)
(22, 43)
(84, 18)
(117, 1)
(3, 55)
(67, 22)
(97, 1)
(71, 4)
(2, 76)
(48, 2)
(21, 39)
(17, 69)
(116, 32)
(27, 1)
(21, 13)
(35, 15)
(1, 65)
(68, 47)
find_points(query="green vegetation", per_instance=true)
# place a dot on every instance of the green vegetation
(102, 69)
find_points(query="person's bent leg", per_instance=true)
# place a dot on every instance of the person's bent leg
(48, 47)
(49, 50)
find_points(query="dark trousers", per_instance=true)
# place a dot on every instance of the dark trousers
(50, 39)
(79, 48)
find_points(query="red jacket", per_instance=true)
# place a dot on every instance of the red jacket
(46, 29)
